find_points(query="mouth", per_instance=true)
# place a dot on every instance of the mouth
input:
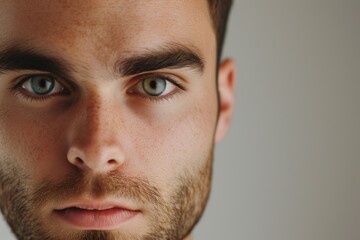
(95, 216)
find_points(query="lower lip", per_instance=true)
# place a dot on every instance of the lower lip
(96, 219)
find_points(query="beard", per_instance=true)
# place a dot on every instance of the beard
(169, 218)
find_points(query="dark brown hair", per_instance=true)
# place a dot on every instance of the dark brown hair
(219, 10)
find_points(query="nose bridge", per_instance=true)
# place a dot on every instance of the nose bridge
(93, 120)
(98, 117)
(94, 144)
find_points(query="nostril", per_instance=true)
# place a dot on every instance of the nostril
(112, 162)
(101, 160)
(79, 161)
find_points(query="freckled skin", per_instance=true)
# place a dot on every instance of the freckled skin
(167, 144)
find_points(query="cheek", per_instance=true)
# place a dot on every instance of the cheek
(32, 142)
(178, 141)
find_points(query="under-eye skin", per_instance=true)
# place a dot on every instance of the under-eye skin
(156, 87)
(39, 87)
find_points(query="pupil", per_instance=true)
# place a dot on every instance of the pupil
(153, 84)
(42, 83)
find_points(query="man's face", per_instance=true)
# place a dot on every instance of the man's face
(108, 111)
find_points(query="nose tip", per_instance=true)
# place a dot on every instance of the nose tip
(95, 160)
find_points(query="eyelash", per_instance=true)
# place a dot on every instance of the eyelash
(18, 92)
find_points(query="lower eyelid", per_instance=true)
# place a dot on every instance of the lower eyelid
(161, 97)
(30, 97)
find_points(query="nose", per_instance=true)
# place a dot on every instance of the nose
(94, 144)
(99, 159)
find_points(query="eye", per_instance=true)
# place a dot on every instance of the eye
(156, 87)
(41, 85)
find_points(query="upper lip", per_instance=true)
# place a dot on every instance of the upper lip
(95, 205)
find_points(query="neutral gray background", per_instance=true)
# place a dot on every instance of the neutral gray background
(289, 168)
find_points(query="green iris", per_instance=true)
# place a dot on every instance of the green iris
(154, 86)
(42, 84)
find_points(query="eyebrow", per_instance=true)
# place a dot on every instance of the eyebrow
(16, 58)
(173, 56)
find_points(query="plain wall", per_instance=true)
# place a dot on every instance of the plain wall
(289, 168)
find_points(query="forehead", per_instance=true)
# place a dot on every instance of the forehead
(101, 28)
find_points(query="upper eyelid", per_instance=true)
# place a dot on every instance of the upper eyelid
(169, 77)
(71, 85)
(19, 81)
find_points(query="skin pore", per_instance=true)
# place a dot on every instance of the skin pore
(108, 103)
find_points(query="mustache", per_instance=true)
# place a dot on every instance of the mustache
(97, 186)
